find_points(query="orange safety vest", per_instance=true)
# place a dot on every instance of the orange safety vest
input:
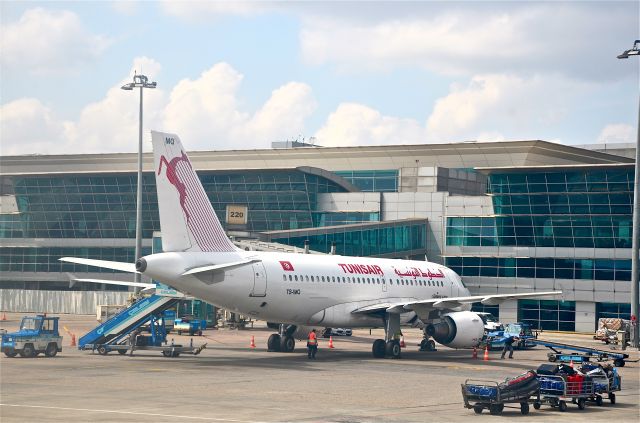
(312, 338)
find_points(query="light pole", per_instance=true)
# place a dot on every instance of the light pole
(139, 81)
(635, 240)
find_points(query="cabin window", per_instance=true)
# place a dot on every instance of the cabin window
(312, 279)
(296, 278)
(333, 278)
(290, 278)
(322, 278)
(307, 278)
(284, 278)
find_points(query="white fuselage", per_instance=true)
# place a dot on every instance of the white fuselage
(305, 289)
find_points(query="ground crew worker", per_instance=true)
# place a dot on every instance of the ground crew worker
(312, 344)
(508, 345)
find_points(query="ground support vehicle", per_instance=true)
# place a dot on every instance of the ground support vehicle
(37, 334)
(526, 337)
(123, 332)
(189, 325)
(481, 394)
(585, 353)
(557, 390)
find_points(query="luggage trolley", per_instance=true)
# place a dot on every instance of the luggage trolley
(557, 391)
(604, 384)
(481, 394)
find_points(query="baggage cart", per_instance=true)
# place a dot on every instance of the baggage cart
(604, 383)
(557, 391)
(481, 394)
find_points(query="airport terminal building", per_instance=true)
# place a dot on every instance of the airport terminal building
(516, 216)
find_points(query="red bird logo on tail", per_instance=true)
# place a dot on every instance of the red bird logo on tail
(172, 176)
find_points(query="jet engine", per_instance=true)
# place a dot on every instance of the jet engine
(462, 329)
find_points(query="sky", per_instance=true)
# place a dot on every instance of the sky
(240, 75)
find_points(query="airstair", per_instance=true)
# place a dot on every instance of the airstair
(122, 332)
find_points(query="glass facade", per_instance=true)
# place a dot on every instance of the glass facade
(103, 206)
(45, 259)
(372, 180)
(613, 310)
(548, 314)
(552, 268)
(582, 209)
(365, 242)
(344, 218)
(481, 308)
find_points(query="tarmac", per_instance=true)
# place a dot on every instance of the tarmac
(232, 382)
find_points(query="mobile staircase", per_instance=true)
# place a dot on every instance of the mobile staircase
(583, 354)
(122, 332)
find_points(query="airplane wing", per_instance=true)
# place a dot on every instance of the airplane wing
(115, 265)
(448, 303)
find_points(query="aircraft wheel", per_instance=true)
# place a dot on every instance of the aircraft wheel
(273, 343)
(287, 344)
(524, 408)
(618, 362)
(552, 358)
(536, 405)
(378, 348)
(13, 353)
(392, 349)
(562, 406)
(122, 352)
(52, 350)
(599, 400)
(102, 350)
(477, 409)
(612, 398)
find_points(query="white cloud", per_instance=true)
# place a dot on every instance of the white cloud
(126, 7)
(44, 41)
(28, 126)
(207, 10)
(357, 124)
(617, 132)
(207, 111)
(498, 107)
(528, 38)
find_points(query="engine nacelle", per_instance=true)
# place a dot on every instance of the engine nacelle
(462, 329)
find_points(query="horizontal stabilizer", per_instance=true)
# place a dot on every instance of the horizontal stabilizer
(122, 283)
(219, 267)
(115, 265)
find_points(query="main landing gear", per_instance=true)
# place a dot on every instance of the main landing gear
(388, 347)
(282, 341)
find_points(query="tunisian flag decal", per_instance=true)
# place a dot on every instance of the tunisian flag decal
(287, 266)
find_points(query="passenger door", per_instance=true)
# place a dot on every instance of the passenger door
(259, 281)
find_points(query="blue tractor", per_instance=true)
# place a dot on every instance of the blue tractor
(37, 334)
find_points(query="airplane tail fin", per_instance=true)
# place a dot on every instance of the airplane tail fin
(187, 219)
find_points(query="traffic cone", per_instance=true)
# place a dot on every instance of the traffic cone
(73, 341)
(475, 353)
(402, 344)
(4, 316)
(253, 342)
(486, 354)
(331, 342)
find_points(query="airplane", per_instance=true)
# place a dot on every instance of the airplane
(302, 290)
